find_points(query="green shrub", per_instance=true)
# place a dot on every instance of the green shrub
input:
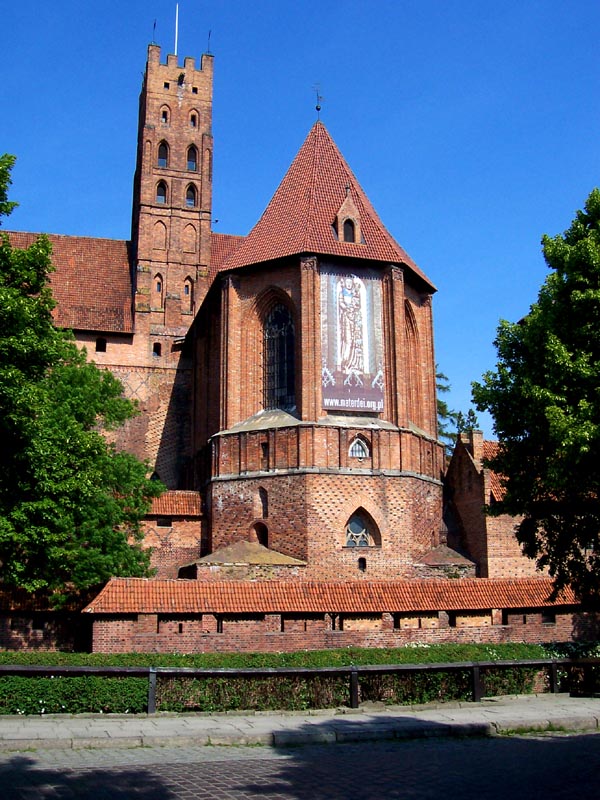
(77, 695)
(37, 695)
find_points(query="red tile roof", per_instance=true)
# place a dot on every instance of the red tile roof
(301, 213)
(177, 504)
(490, 450)
(147, 596)
(92, 282)
(222, 246)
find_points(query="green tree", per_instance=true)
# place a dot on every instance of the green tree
(70, 503)
(545, 399)
(468, 422)
(446, 417)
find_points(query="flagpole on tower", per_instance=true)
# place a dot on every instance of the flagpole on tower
(176, 25)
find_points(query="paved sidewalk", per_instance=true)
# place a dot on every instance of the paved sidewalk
(370, 722)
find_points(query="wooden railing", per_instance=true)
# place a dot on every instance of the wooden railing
(477, 670)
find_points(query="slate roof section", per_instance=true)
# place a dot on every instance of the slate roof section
(148, 596)
(177, 504)
(490, 450)
(300, 215)
(91, 284)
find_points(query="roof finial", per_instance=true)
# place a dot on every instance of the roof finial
(317, 89)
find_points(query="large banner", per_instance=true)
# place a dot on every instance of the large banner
(351, 340)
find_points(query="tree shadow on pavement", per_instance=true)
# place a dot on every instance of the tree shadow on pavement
(545, 766)
(20, 779)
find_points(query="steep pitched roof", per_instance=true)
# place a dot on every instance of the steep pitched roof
(301, 214)
(143, 596)
(92, 282)
(490, 450)
(222, 246)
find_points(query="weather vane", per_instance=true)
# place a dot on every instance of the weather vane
(320, 98)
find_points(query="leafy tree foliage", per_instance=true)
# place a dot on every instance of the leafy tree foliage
(545, 400)
(70, 503)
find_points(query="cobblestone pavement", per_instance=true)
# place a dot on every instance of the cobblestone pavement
(549, 767)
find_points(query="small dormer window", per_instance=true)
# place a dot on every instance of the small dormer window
(347, 220)
(349, 231)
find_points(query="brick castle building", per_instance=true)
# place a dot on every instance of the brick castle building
(286, 382)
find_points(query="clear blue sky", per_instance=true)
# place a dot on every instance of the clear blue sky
(471, 124)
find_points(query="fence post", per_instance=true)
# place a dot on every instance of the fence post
(152, 690)
(476, 683)
(554, 677)
(353, 687)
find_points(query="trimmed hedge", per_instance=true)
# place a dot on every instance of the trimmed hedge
(418, 654)
(38, 695)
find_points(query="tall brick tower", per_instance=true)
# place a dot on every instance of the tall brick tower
(172, 189)
(170, 255)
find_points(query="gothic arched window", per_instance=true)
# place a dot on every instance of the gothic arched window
(192, 158)
(157, 300)
(190, 196)
(358, 449)
(278, 359)
(188, 294)
(161, 192)
(361, 531)
(163, 154)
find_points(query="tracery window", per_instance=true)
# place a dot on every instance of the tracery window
(278, 359)
(361, 531)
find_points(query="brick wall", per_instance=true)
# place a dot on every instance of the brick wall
(489, 541)
(174, 544)
(308, 514)
(48, 630)
(287, 633)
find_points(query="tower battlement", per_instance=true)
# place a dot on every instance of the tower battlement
(172, 63)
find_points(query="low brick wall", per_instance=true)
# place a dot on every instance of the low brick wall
(289, 632)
